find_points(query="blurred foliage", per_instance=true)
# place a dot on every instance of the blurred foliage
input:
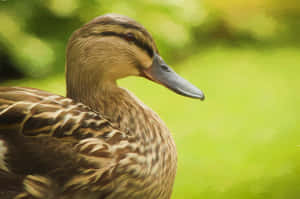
(33, 34)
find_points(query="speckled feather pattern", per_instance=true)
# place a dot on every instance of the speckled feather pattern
(61, 149)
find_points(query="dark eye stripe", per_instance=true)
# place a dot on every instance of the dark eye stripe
(137, 42)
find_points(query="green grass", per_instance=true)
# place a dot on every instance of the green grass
(243, 141)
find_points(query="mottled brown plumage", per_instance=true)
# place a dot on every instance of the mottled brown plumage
(99, 142)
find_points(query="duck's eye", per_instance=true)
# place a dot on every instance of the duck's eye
(129, 37)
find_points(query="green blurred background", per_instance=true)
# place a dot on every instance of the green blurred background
(244, 140)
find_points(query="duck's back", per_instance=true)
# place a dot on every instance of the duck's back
(53, 147)
(54, 139)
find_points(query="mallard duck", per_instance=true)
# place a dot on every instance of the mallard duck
(100, 141)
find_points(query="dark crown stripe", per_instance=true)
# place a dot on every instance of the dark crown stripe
(126, 25)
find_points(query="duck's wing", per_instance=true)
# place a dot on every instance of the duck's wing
(50, 144)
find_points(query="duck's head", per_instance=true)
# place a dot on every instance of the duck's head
(111, 47)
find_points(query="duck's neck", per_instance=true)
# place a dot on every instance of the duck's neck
(120, 107)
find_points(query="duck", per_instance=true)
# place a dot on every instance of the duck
(100, 141)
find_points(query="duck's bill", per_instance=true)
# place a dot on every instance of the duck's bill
(161, 73)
